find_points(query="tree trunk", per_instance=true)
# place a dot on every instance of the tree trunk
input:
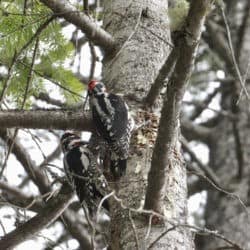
(142, 30)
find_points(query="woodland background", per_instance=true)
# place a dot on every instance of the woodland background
(182, 67)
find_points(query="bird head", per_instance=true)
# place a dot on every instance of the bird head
(96, 88)
(68, 140)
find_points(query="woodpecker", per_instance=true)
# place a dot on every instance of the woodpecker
(83, 173)
(113, 123)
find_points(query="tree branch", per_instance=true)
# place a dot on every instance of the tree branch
(168, 126)
(46, 161)
(193, 131)
(14, 196)
(43, 96)
(46, 119)
(197, 186)
(76, 229)
(91, 29)
(71, 220)
(204, 168)
(51, 212)
(161, 77)
(35, 174)
(204, 104)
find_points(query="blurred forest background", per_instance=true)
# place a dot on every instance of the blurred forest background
(184, 61)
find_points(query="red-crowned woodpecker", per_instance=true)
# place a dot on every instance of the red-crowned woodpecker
(113, 124)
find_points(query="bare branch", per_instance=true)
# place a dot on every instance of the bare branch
(46, 98)
(15, 197)
(51, 245)
(28, 81)
(93, 61)
(46, 161)
(192, 131)
(14, 191)
(217, 42)
(46, 119)
(196, 186)
(204, 104)
(168, 126)
(233, 195)
(198, 230)
(78, 231)
(239, 149)
(161, 77)
(243, 29)
(38, 177)
(91, 29)
(134, 230)
(236, 67)
(206, 169)
(51, 212)
(35, 174)
(176, 224)
(51, 80)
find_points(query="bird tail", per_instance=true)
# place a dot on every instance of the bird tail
(118, 167)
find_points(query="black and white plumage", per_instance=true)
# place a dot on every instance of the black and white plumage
(83, 173)
(113, 124)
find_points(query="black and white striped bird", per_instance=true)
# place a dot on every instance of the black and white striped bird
(83, 173)
(113, 124)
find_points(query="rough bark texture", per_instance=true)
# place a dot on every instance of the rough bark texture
(142, 31)
(229, 157)
(45, 119)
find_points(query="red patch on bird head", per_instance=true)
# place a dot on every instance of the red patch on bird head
(92, 84)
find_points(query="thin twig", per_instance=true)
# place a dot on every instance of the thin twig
(3, 228)
(86, 6)
(93, 60)
(7, 80)
(159, 81)
(244, 80)
(149, 228)
(202, 105)
(26, 25)
(50, 241)
(134, 230)
(91, 226)
(198, 230)
(101, 202)
(233, 54)
(52, 81)
(161, 235)
(37, 140)
(23, 103)
(175, 225)
(235, 196)
(206, 169)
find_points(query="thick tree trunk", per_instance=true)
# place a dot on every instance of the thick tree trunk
(142, 30)
(230, 157)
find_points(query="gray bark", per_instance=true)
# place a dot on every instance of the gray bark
(136, 47)
(142, 31)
